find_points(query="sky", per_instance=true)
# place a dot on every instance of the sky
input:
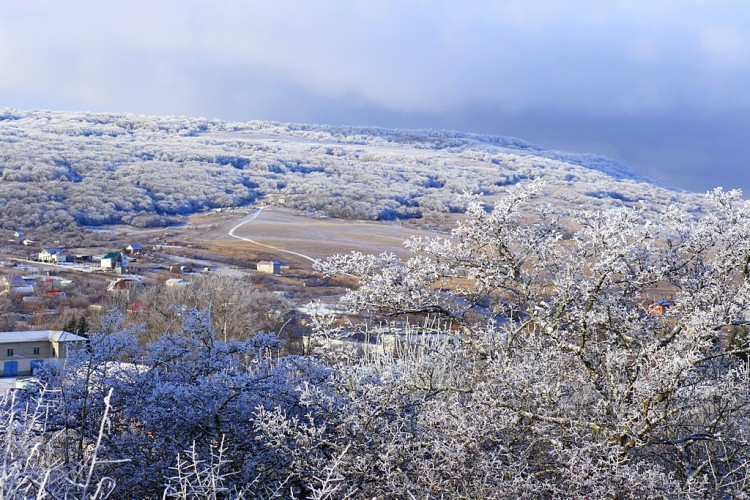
(660, 85)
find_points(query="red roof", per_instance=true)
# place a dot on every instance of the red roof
(138, 305)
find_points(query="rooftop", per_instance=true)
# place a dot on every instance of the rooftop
(38, 336)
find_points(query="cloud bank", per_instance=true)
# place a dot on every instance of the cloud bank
(661, 86)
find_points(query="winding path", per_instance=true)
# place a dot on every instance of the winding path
(252, 217)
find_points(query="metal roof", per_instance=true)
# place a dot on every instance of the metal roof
(39, 336)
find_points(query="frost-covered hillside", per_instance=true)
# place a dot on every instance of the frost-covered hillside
(62, 169)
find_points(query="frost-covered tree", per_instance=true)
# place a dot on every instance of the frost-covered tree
(562, 381)
(531, 365)
(66, 170)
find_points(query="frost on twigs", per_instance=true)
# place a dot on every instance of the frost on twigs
(560, 308)
(535, 354)
(33, 462)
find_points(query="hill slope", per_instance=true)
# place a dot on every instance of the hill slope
(74, 169)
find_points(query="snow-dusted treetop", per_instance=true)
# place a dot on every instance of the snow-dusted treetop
(59, 169)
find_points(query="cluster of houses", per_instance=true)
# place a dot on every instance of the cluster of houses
(26, 285)
(20, 237)
(16, 285)
(21, 352)
(116, 261)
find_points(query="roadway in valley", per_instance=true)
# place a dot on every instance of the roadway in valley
(251, 218)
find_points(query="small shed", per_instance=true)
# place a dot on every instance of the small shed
(269, 267)
(134, 249)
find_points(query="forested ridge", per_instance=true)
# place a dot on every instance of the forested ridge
(64, 170)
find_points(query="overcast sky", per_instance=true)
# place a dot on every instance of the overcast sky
(661, 85)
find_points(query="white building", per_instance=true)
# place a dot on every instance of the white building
(51, 255)
(171, 282)
(22, 352)
(269, 267)
(114, 260)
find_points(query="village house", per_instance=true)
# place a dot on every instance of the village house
(83, 258)
(22, 352)
(51, 255)
(19, 234)
(172, 282)
(269, 267)
(16, 285)
(134, 249)
(56, 283)
(125, 284)
(114, 260)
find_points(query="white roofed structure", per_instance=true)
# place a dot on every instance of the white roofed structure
(22, 352)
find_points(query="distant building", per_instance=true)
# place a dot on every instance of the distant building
(269, 267)
(82, 258)
(125, 284)
(171, 282)
(138, 306)
(51, 283)
(16, 285)
(134, 249)
(114, 260)
(19, 234)
(98, 303)
(22, 352)
(51, 255)
(23, 290)
(53, 286)
(659, 307)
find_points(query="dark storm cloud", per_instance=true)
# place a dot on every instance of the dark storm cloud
(661, 86)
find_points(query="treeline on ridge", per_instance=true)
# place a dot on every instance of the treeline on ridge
(62, 170)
